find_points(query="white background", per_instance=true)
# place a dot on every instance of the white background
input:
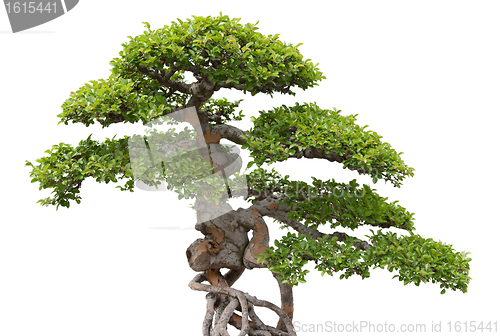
(424, 74)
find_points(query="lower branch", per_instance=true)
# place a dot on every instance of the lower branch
(232, 275)
(271, 208)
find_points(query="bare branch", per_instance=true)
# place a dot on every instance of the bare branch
(230, 133)
(171, 72)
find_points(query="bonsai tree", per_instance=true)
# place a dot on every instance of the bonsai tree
(148, 84)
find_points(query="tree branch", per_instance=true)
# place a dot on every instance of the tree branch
(277, 193)
(232, 275)
(271, 208)
(268, 88)
(165, 80)
(286, 294)
(230, 133)
(311, 152)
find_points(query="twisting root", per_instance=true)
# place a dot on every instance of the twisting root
(220, 328)
(207, 322)
(237, 301)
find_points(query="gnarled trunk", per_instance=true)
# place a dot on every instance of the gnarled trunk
(226, 245)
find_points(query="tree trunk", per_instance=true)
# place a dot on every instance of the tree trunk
(226, 245)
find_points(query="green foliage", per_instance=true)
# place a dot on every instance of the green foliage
(340, 204)
(420, 260)
(417, 259)
(279, 133)
(293, 252)
(123, 100)
(222, 110)
(117, 100)
(222, 49)
(66, 167)
(185, 172)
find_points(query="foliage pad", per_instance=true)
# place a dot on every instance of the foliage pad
(279, 133)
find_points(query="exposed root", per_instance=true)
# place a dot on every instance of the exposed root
(207, 322)
(223, 301)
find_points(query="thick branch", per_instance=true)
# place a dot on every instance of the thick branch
(277, 193)
(164, 80)
(252, 220)
(311, 152)
(232, 275)
(286, 294)
(268, 88)
(271, 208)
(229, 132)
